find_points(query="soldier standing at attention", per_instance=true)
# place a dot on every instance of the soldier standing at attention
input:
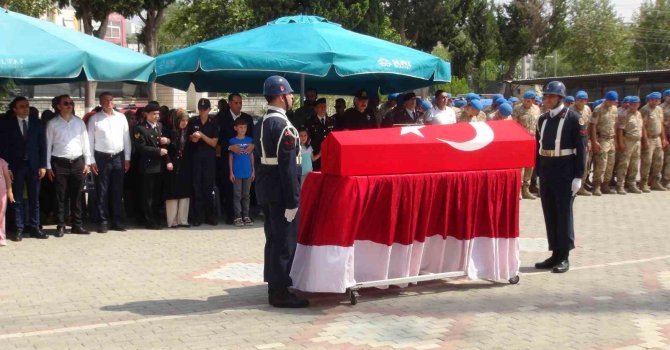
(602, 141)
(654, 141)
(629, 133)
(527, 114)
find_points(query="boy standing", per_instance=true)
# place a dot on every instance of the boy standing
(241, 173)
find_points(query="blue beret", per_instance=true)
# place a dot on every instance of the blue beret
(538, 99)
(626, 99)
(655, 95)
(426, 105)
(530, 94)
(477, 104)
(611, 96)
(569, 99)
(666, 93)
(500, 101)
(393, 96)
(460, 103)
(505, 109)
(513, 99)
(497, 96)
(598, 103)
(634, 99)
(471, 96)
(448, 95)
(581, 95)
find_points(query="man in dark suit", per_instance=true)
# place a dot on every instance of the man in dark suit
(23, 146)
(151, 146)
(318, 128)
(227, 131)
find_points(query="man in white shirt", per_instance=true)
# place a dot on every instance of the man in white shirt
(440, 113)
(110, 144)
(68, 156)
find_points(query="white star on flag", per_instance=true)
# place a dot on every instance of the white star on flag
(412, 130)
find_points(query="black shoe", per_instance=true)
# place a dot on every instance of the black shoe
(18, 236)
(196, 223)
(118, 227)
(38, 233)
(184, 226)
(79, 230)
(102, 228)
(285, 299)
(212, 222)
(154, 227)
(562, 266)
(230, 222)
(60, 231)
(547, 264)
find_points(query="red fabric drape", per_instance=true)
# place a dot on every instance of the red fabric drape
(406, 208)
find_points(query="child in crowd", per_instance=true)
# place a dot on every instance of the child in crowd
(5, 195)
(241, 173)
(307, 154)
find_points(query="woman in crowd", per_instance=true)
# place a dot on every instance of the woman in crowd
(178, 182)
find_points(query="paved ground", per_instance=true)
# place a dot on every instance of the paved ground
(199, 289)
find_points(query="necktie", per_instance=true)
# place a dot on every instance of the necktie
(25, 129)
(323, 122)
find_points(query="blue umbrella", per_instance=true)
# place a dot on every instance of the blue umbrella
(328, 58)
(33, 51)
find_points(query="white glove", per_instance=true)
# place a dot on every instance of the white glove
(576, 185)
(289, 214)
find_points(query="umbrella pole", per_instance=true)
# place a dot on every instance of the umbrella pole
(302, 90)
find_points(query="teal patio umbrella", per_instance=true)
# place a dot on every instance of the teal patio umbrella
(321, 53)
(34, 51)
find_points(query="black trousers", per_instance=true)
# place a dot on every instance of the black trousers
(225, 188)
(109, 185)
(151, 198)
(280, 242)
(69, 181)
(556, 197)
(204, 173)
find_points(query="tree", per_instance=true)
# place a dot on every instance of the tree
(34, 8)
(651, 46)
(152, 13)
(529, 27)
(597, 38)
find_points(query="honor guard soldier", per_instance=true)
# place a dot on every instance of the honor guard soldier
(151, 145)
(278, 190)
(318, 128)
(560, 165)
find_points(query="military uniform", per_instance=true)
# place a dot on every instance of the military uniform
(147, 144)
(652, 154)
(317, 130)
(303, 114)
(464, 117)
(666, 158)
(604, 120)
(584, 120)
(629, 157)
(355, 120)
(527, 117)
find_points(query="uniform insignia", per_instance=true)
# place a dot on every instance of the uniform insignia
(137, 135)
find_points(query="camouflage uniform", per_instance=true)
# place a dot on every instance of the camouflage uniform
(652, 155)
(585, 120)
(463, 117)
(603, 120)
(666, 164)
(629, 158)
(528, 118)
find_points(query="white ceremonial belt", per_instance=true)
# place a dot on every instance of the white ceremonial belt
(274, 161)
(561, 153)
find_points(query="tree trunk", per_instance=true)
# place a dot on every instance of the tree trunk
(153, 20)
(511, 69)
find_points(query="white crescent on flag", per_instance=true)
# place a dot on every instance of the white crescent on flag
(483, 136)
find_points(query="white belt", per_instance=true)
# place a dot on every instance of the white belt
(265, 160)
(560, 153)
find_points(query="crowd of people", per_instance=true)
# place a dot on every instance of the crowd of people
(165, 168)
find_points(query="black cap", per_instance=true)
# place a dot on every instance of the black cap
(204, 104)
(151, 107)
(408, 95)
(361, 94)
(322, 100)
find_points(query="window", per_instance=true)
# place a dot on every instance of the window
(114, 30)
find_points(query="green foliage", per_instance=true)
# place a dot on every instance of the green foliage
(34, 8)
(651, 47)
(456, 86)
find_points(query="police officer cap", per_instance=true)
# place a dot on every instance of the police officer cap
(666, 93)
(554, 88)
(276, 86)
(320, 101)
(634, 99)
(476, 104)
(529, 95)
(581, 95)
(655, 95)
(505, 109)
(426, 105)
(361, 94)
(569, 99)
(513, 100)
(471, 96)
(393, 97)
(611, 96)
(497, 96)
(152, 107)
(407, 96)
(203, 104)
(460, 103)
(500, 101)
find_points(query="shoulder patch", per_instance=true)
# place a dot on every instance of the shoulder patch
(137, 135)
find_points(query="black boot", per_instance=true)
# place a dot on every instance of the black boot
(282, 298)
(549, 263)
(562, 264)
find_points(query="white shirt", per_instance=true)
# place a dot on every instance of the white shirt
(20, 121)
(441, 116)
(235, 116)
(67, 139)
(411, 113)
(109, 134)
(554, 112)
